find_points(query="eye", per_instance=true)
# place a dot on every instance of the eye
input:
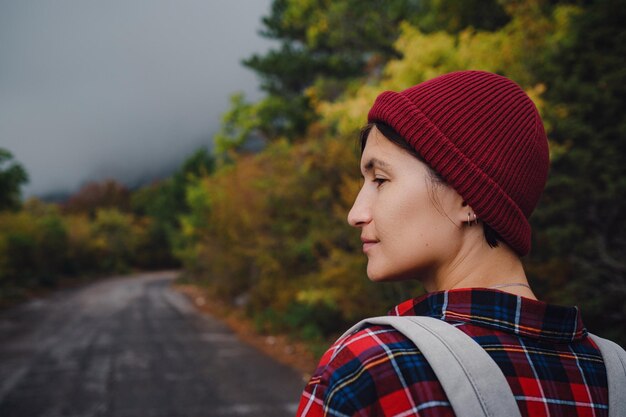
(380, 181)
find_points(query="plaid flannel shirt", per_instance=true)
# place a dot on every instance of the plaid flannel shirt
(551, 365)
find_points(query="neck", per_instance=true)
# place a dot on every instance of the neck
(480, 266)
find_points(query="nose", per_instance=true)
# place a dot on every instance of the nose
(360, 213)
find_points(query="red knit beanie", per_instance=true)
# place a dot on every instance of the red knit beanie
(483, 134)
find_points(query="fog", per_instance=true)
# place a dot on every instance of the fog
(123, 89)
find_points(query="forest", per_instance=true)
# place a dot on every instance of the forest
(260, 220)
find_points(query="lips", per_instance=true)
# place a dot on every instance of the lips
(368, 244)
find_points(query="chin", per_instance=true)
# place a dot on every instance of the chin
(421, 271)
(389, 276)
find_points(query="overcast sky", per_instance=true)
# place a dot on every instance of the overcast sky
(119, 88)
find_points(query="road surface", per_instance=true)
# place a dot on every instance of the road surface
(132, 347)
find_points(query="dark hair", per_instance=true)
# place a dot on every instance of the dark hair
(491, 236)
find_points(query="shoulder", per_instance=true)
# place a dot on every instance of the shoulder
(363, 370)
(361, 347)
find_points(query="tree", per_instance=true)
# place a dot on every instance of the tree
(12, 177)
(97, 195)
(580, 221)
(453, 16)
(328, 43)
(271, 226)
(163, 203)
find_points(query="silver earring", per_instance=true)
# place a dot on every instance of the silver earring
(469, 223)
(475, 219)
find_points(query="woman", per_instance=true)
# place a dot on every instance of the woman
(453, 168)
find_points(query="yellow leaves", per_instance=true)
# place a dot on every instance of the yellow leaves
(314, 296)
(424, 56)
(273, 225)
(38, 243)
(559, 149)
(79, 235)
(310, 15)
(346, 117)
(318, 29)
(487, 51)
(348, 191)
(22, 222)
(535, 93)
(269, 216)
(117, 235)
(563, 17)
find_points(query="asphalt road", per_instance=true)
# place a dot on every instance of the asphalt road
(132, 347)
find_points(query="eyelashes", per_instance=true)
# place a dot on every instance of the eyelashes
(379, 181)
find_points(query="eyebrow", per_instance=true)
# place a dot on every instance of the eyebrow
(375, 163)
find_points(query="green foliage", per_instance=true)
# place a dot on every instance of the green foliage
(161, 204)
(322, 42)
(104, 228)
(83, 250)
(155, 207)
(116, 236)
(39, 245)
(328, 43)
(580, 220)
(237, 125)
(268, 230)
(33, 244)
(12, 177)
(454, 16)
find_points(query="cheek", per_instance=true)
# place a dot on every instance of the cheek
(413, 232)
(405, 213)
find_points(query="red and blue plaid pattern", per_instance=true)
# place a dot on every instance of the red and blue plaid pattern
(551, 366)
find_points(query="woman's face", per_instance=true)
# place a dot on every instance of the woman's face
(404, 234)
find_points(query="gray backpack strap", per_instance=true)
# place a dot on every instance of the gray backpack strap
(473, 382)
(615, 362)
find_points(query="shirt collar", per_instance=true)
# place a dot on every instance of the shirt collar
(499, 310)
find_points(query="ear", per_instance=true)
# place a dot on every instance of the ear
(455, 207)
(465, 214)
